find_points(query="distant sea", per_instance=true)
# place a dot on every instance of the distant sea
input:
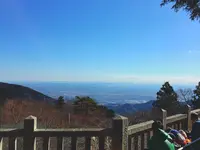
(103, 93)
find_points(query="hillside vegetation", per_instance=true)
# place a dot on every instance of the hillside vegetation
(14, 111)
(20, 102)
(10, 91)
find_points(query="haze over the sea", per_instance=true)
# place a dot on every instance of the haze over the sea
(103, 92)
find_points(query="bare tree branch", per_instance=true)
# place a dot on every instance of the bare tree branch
(185, 95)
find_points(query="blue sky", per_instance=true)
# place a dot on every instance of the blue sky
(97, 40)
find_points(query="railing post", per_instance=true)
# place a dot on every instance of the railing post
(120, 133)
(30, 125)
(160, 114)
(188, 122)
(1, 143)
(164, 118)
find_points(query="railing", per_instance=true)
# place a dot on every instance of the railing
(123, 137)
(30, 132)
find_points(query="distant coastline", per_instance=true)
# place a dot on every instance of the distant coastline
(103, 93)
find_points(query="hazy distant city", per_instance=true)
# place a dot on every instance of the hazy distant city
(104, 93)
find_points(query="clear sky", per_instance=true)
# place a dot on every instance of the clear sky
(97, 40)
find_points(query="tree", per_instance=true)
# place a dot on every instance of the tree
(166, 98)
(16, 109)
(190, 6)
(185, 95)
(196, 96)
(60, 102)
(110, 113)
(84, 99)
(88, 105)
(84, 104)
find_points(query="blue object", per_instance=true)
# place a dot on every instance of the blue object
(174, 132)
(195, 134)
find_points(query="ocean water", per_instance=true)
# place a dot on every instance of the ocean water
(103, 93)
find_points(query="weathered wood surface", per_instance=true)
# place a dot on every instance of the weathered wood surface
(176, 118)
(120, 133)
(139, 127)
(57, 132)
(196, 111)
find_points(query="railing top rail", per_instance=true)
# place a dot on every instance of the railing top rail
(58, 129)
(72, 130)
(175, 118)
(11, 132)
(57, 132)
(8, 129)
(139, 127)
(196, 111)
(75, 132)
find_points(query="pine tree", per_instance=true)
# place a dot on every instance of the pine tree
(166, 98)
(84, 104)
(60, 102)
(190, 6)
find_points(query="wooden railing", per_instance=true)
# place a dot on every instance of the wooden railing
(30, 132)
(123, 137)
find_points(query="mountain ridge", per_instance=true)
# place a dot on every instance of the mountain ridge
(15, 91)
(127, 108)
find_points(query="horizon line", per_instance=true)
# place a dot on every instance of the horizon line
(98, 82)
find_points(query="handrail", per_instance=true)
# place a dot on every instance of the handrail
(196, 111)
(175, 118)
(140, 127)
(73, 132)
(58, 132)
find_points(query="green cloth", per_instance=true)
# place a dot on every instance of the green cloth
(160, 141)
